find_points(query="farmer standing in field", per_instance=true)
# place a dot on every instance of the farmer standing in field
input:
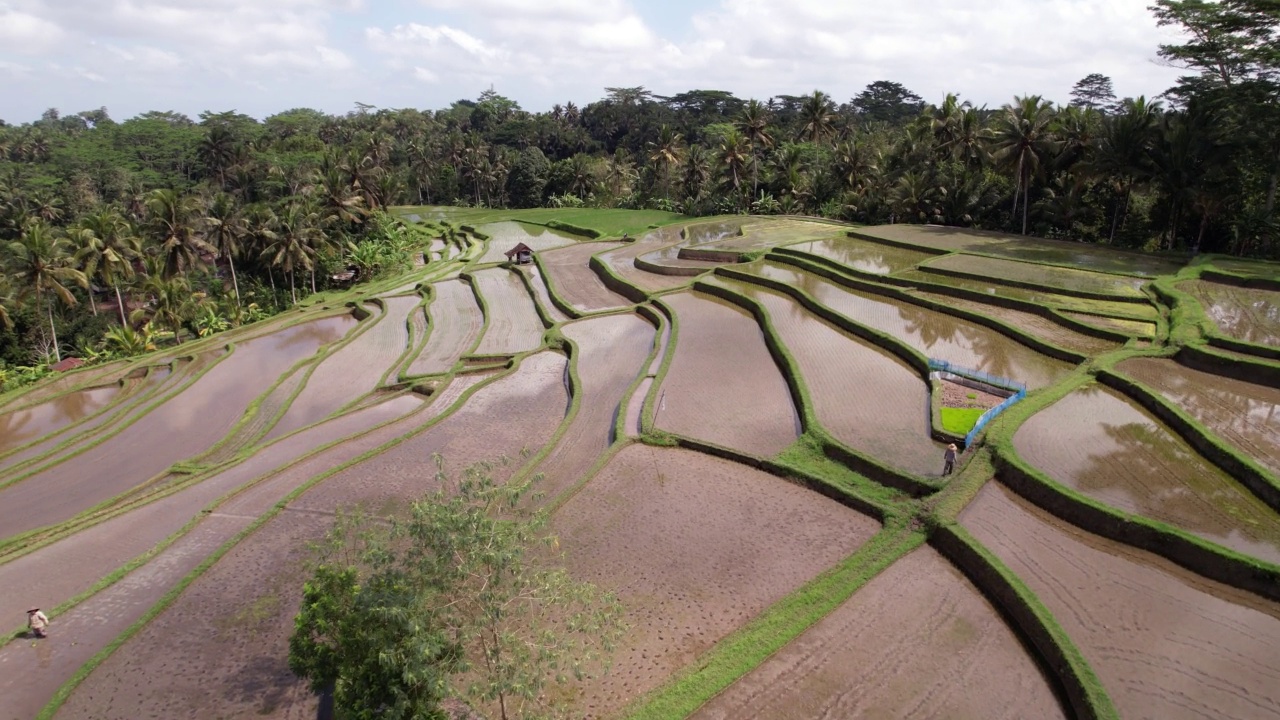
(949, 459)
(38, 622)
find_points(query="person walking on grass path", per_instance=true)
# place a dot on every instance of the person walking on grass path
(949, 459)
(38, 622)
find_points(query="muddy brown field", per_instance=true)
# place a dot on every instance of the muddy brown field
(693, 546)
(1164, 642)
(919, 641)
(723, 385)
(455, 324)
(1250, 314)
(576, 282)
(513, 322)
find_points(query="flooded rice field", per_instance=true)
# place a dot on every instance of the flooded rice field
(504, 236)
(121, 483)
(1242, 313)
(935, 334)
(723, 385)
(1054, 278)
(864, 396)
(1245, 414)
(1164, 642)
(1100, 443)
(863, 255)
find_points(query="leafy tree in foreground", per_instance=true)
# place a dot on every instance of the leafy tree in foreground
(454, 601)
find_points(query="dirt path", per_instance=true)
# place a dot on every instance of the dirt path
(1245, 414)
(514, 325)
(576, 282)
(694, 547)
(1166, 643)
(1102, 444)
(935, 334)
(723, 385)
(354, 369)
(865, 397)
(611, 352)
(919, 641)
(455, 324)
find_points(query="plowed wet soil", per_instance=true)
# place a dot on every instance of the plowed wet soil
(1250, 314)
(576, 282)
(918, 641)
(514, 325)
(723, 385)
(1164, 642)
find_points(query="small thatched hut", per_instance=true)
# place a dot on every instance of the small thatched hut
(522, 253)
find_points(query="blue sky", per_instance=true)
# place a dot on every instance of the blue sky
(264, 56)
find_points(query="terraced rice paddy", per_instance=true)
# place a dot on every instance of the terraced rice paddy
(1054, 278)
(1164, 642)
(1100, 443)
(505, 235)
(160, 508)
(862, 255)
(935, 334)
(1245, 414)
(1245, 314)
(748, 409)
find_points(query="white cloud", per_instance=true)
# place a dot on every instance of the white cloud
(27, 34)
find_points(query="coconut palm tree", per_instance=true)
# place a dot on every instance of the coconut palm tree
(43, 265)
(293, 247)
(1124, 152)
(119, 247)
(733, 156)
(664, 153)
(170, 303)
(224, 229)
(754, 125)
(171, 222)
(817, 117)
(1022, 140)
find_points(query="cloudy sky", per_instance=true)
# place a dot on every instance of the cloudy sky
(263, 56)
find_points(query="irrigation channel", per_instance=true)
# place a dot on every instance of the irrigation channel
(730, 422)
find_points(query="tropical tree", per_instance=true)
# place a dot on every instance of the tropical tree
(754, 125)
(734, 156)
(170, 303)
(224, 230)
(1021, 140)
(817, 117)
(294, 244)
(664, 153)
(171, 224)
(42, 263)
(1123, 152)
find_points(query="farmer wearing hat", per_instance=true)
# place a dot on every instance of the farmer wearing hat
(37, 621)
(949, 459)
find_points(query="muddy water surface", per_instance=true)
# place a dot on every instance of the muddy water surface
(1247, 415)
(1102, 444)
(865, 397)
(576, 282)
(863, 255)
(23, 426)
(723, 385)
(505, 235)
(1137, 328)
(918, 641)
(1041, 327)
(543, 295)
(1241, 313)
(514, 325)
(933, 333)
(455, 324)
(1165, 643)
(1044, 275)
(1103, 307)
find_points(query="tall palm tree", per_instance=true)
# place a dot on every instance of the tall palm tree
(119, 247)
(224, 229)
(1124, 152)
(171, 222)
(1021, 140)
(733, 156)
(754, 125)
(664, 153)
(217, 151)
(43, 265)
(293, 245)
(817, 117)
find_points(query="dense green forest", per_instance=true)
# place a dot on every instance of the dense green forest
(196, 225)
